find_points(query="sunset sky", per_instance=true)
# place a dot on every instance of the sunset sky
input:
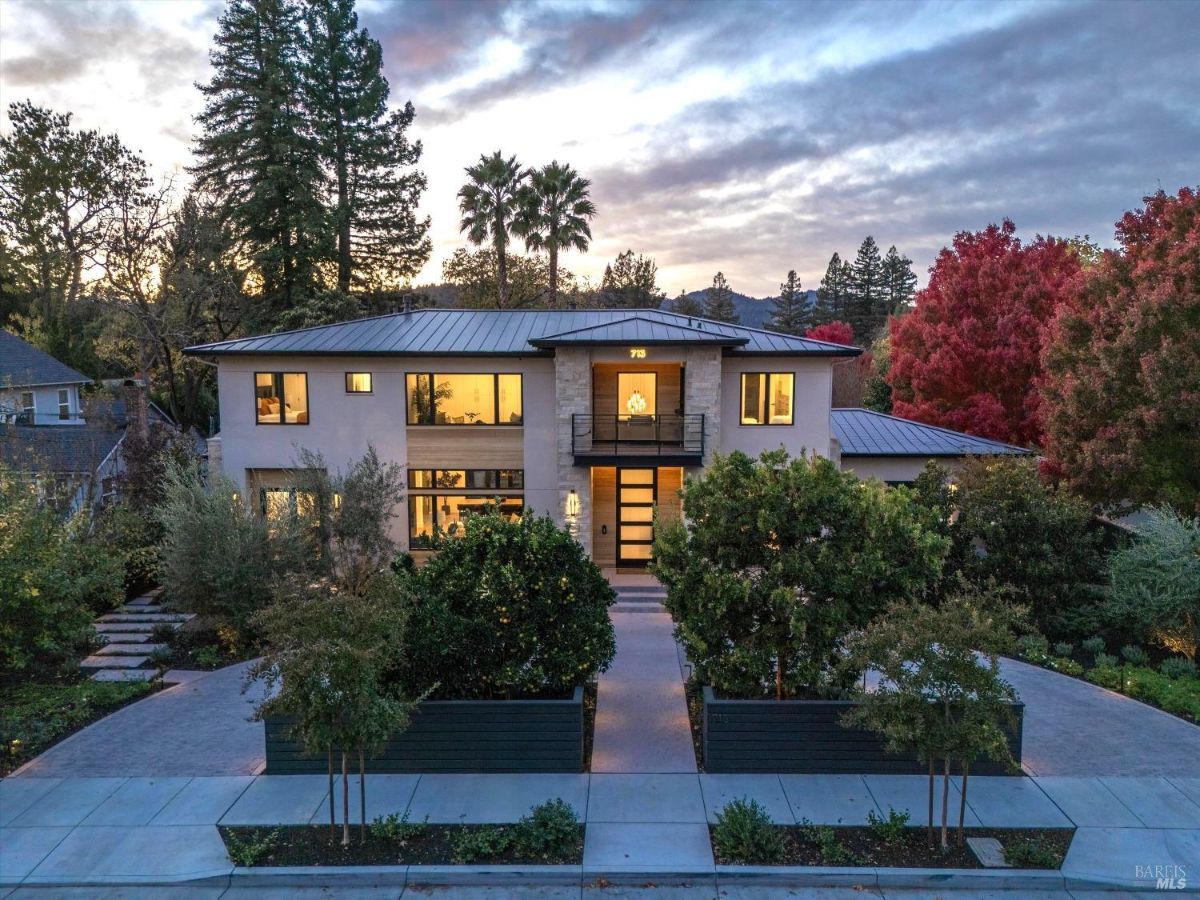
(746, 137)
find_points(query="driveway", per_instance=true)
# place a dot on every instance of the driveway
(202, 727)
(1073, 727)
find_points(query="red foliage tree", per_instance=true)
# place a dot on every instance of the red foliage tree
(834, 332)
(1122, 389)
(968, 357)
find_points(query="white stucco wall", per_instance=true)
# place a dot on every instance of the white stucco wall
(810, 429)
(342, 425)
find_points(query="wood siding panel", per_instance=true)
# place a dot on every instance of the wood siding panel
(670, 505)
(466, 447)
(461, 736)
(604, 386)
(604, 515)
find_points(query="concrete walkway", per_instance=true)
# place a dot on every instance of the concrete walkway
(641, 711)
(1073, 727)
(201, 727)
(644, 828)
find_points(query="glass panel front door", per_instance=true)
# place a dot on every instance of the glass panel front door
(636, 493)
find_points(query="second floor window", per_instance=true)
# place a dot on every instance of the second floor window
(281, 398)
(767, 398)
(64, 403)
(28, 406)
(465, 398)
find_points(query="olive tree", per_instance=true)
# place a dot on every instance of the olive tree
(777, 559)
(940, 694)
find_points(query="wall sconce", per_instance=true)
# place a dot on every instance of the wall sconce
(337, 500)
(236, 497)
(573, 508)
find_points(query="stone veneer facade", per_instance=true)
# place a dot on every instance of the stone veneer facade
(573, 393)
(702, 393)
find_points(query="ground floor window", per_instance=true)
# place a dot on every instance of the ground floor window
(447, 512)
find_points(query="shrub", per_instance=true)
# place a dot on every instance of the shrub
(1156, 582)
(1135, 656)
(482, 843)
(1093, 645)
(1066, 665)
(135, 540)
(744, 835)
(550, 831)
(833, 852)
(777, 559)
(1012, 528)
(1030, 853)
(393, 827)
(1033, 648)
(50, 578)
(1179, 696)
(890, 830)
(1106, 661)
(220, 559)
(252, 849)
(508, 608)
(1108, 676)
(1178, 667)
(1063, 648)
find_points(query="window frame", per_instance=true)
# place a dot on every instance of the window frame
(370, 381)
(766, 407)
(282, 398)
(64, 405)
(432, 415)
(436, 474)
(31, 409)
(425, 543)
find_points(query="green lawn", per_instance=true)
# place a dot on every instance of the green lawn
(35, 716)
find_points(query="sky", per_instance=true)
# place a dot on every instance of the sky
(750, 138)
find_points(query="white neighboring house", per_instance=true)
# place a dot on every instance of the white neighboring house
(591, 416)
(71, 446)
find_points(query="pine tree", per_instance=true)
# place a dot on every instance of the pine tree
(718, 301)
(831, 295)
(258, 154)
(867, 298)
(631, 282)
(686, 305)
(365, 151)
(790, 313)
(900, 282)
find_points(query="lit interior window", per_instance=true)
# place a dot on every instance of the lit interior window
(358, 382)
(767, 398)
(637, 393)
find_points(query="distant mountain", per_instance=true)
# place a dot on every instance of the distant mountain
(753, 312)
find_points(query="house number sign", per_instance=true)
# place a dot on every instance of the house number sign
(637, 352)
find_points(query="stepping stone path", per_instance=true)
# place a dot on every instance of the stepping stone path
(128, 632)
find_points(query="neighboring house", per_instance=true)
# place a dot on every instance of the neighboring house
(70, 446)
(591, 416)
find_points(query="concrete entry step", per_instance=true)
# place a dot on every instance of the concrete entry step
(126, 637)
(125, 675)
(116, 649)
(145, 628)
(113, 662)
(152, 618)
(131, 609)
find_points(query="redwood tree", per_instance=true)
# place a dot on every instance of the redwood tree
(1122, 392)
(969, 355)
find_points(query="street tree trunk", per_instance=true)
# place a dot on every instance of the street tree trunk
(931, 784)
(332, 816)
(362, 793)
(553, 276)
(945, 804)
(962, 801)
(345, 801)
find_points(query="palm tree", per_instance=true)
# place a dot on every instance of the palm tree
(555, 207)
(488, 202)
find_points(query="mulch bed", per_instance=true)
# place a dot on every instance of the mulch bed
(693, 690)
(312, 845)
(912, 850)
(589, 723)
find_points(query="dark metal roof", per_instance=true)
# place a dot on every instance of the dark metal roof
(864, 432)
(491, 332)
(24, 365)
(639, 330)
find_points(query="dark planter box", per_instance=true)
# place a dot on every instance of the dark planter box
(460, 736)
(806, 736)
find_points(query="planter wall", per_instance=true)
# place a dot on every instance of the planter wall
(460, 736)
(806, 736)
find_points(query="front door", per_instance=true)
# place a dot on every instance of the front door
(636, 493)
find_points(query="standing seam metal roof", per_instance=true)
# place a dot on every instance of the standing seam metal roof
(864, 432)
(511, 333)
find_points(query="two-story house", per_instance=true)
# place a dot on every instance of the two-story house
(591, 416)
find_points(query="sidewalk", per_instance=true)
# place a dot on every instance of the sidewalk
(108, 831)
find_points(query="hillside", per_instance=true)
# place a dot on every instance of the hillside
(753, 312)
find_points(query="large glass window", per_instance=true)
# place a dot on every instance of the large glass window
(281, 398)
(767, 398)
(636, 394)
(463, 399)
(449, 479)
(447, 512)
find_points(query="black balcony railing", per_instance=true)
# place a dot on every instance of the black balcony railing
(615, 435)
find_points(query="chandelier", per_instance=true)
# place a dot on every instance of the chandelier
(636, 403)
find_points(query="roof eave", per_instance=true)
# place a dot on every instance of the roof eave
(847, 353)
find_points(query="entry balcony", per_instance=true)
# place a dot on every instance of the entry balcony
(675, 439)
